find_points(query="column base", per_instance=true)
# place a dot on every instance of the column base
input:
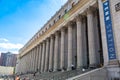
(113, 71)
(45, 71)
(93, 66)
(80, 68)
(50, 70)
(54, 70)
(62, 70)
(69, 68)
(114, 62)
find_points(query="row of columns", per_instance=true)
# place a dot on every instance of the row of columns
(44, 56)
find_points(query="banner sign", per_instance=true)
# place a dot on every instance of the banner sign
(109, 31)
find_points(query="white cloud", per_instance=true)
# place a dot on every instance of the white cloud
(10, 46)
(3, 39)
(7, 46)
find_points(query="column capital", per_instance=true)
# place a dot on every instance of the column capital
(43, 42)
(37, 46)
(96, 12)
(70, 23)
(84, 19)
(79, 17)
(51, 51)
(40, 44)
(90, 10)
(47, 39)
(52, 36)
(56, 33)
(62, 29)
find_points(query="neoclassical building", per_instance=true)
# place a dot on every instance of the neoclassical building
(83, 34)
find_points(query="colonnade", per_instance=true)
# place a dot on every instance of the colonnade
(77, 43)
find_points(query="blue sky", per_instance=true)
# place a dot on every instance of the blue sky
(21, 19)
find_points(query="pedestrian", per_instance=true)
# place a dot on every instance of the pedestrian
(17, 78)
(72, 66)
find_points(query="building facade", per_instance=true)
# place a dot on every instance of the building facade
(11, 60)
(83, 33)
(0, 59)
(8, 59)
(3, 59)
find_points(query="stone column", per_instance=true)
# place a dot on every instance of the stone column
(69, 46)
(32, 60)
(79, 42)
(37, 57)
(39, 60)
(24, 63)
(98, 50)
(23, 66)
(46, 56)
(56, 52)
(91, 38)
(62, 48)
(43, 54)
(84, 42)
(27, 59)
(35, 50)
(51, 53)
(28, 62)
(103, 32)
(20, 65)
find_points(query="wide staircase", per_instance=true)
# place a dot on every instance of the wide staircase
(59, 75)
(102, 73)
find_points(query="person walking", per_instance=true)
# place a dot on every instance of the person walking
(17, 78)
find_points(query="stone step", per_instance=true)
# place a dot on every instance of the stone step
(56, 75)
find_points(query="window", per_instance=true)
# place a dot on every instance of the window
(59, 16)
(42, 32)
(54, 22)
(73, 4)
(65, 11)
(49, 25)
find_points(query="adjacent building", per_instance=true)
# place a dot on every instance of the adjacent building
(11, 60)
(0, 59)
(8, 59)
(3, 59)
